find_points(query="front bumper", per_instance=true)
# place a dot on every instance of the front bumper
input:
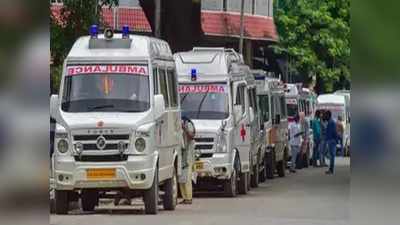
(219, 166)
(137, 172)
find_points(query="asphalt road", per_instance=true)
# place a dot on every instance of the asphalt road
(308, 197)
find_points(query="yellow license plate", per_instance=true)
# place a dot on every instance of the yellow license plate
(198, 166)
(100, 174)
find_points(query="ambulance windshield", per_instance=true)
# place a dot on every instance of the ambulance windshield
(204, 101)
(106, 92)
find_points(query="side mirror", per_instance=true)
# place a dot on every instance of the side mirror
(159, 105)
(223, 125)
(54, 113)
(251, 115)
(237, 111)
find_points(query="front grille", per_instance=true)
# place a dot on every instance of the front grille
(101, 158)
(204, 139)
(94, 147)
(206, 155)
(203, 147)
(107, 137)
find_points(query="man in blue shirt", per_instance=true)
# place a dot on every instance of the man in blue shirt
(331, 141)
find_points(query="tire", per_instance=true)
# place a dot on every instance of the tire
(254, 178)
(61, 202)
(281, 167)
(243, 186)
(270, 164)
(150, 196)
(230, 185)
(89, 200)
(170, 197)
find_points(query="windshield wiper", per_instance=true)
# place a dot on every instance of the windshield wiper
(100, 107)
(201, 104)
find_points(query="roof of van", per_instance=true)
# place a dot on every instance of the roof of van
(141, 47)
(210, 64)
(331, 99)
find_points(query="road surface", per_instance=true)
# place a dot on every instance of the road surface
(306, 198)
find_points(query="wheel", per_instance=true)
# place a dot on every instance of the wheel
(243, 186)
(170, 197)
(270, 164)
(254, 178)
(230, 185)
(150, 196)
(263, 173)
(62, 202)
(89, 200)
(281, 167)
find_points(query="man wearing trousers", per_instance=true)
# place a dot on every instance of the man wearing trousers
(331, 141)
(295, 141)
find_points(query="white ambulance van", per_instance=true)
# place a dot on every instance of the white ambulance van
(118, 122)
(274, 124)
(217, 92)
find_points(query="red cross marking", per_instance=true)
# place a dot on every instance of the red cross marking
(243, 133)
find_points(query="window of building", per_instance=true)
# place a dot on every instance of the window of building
(129, 3)
(216, 5)
(172, 89)
(264, 7)
(235, 5)
(56, 2)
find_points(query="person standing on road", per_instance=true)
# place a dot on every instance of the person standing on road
(331, 140)
(322, 144)
(185, 181)
(340, 132)
(316, 128)
(295, 141)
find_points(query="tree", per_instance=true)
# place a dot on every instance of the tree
(73, 21)
(315, 34)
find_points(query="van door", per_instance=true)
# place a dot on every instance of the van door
(164, 125)
(254, 128)
(242, 130)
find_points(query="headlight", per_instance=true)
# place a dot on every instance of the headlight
(221, 143)
(140, 144)
(62, 146)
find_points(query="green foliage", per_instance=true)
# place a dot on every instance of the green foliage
(74, 21)
(316, 36)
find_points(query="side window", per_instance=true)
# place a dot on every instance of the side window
(252, 97)
(173, 94)
(163, 86)
(240, 97)
(273, 108)
(283, 107)
(263, 103)
(155, 81)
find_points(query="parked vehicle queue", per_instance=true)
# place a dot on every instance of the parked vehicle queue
(131, 117)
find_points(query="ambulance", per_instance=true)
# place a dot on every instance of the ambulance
(218, 93)
(118, 128)
(274, 124)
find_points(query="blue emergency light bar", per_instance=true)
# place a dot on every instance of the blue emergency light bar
(125, 31)
(193, 74)
(94, 31)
